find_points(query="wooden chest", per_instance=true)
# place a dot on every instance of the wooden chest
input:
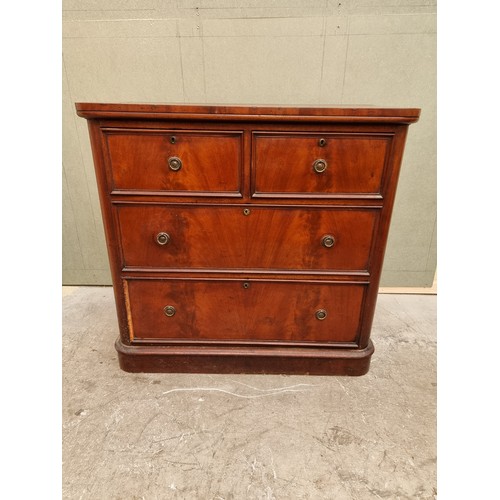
(246, 239)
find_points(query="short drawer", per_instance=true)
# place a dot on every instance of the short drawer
(244, 310)
(175, 161)
(319, 165)
(246, 237)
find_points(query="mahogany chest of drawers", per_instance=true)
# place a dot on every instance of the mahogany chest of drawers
(246, 239)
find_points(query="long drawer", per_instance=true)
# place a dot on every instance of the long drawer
(175, 161)
(244, 310)
(246, 237)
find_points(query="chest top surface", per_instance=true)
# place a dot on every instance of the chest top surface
(255, 113)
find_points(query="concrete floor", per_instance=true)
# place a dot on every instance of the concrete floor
(220, 437)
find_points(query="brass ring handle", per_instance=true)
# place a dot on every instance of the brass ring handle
(174, 163)
(328, 241)
(169, 311)
(321, 314)
(162, 238)
(320, 166)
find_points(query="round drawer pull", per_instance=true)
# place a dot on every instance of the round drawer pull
(328, 241)
(162, 238)
(322, 142)
(320, 166)
(169, 311)
(174, 163)
(321, 314)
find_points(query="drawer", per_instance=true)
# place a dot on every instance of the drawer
(244, 310)
(321, 165)
(175, 161)
(246, 237)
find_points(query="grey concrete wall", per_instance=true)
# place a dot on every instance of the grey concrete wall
(298, 52)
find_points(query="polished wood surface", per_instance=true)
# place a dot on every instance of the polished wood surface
(246, 268)
(245, 310)
(200, 358)
(215, 237)
(217, 112)
(284, 163)
(139, 160)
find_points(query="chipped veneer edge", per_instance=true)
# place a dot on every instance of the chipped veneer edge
(129, 313)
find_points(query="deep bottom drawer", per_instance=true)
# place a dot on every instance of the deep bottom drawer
(247, 311)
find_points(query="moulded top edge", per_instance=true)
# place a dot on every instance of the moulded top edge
(249, 112)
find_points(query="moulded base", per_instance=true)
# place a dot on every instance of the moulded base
(230, 359)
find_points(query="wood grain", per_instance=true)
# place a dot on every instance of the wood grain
(212, 237)
(284, 163)
(139, 160)
(228, 359)
(245, 310)
(246, 276)
(216, 112)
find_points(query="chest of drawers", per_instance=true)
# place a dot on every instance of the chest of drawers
(246, 239)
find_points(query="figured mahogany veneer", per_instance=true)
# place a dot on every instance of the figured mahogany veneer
(355, 164)
(215, 237)
(246, 239)
(210, 161)
(216, 310)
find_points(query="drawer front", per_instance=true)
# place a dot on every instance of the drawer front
(175, 161)
(239, 237)
(244, 310)
(327, 165)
